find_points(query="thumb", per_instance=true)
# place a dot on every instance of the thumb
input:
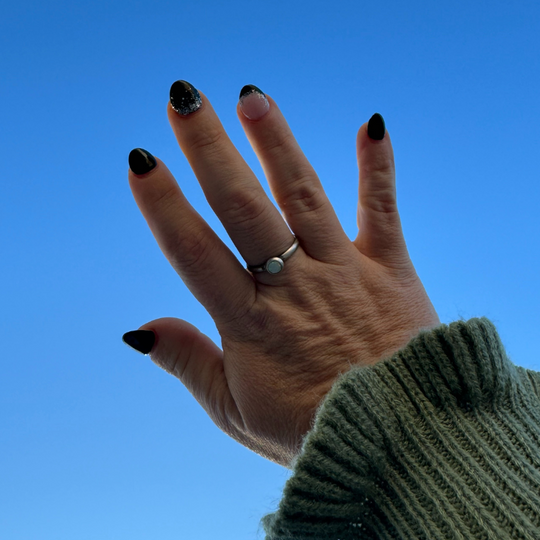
(380, 236)
(182, 350)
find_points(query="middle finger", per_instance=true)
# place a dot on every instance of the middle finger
(230, 186)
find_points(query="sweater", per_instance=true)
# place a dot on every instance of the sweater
(439, 441)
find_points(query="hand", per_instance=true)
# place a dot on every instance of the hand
(285, 337)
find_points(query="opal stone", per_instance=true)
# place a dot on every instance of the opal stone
(274, 266)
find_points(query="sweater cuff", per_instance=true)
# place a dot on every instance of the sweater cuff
(441, 440)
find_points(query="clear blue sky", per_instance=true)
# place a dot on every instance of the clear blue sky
(96, 442)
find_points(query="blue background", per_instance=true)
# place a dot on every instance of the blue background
(96, 442)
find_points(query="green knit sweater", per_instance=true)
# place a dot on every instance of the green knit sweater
(439, 441)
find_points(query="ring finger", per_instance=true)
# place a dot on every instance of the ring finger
(293, 181)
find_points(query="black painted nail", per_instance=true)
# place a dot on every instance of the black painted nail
(141, 161)
(250, 88)
(140, 340)
(184, 98)
(376, 128)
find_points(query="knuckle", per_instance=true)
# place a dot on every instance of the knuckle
(304, 196)
(380, 194)
(244, 207)
(382, 201)
(191, 252)
(251, 321)
(207, 139)
(182, 358)
(277, 144)
(303, 192)
(382, 163)
(163, 200)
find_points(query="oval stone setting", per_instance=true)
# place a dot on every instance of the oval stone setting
(274, 265)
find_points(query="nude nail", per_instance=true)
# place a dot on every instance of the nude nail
(253, 102)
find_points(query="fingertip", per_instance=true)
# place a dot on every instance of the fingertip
(253, 102)
(177, 343)
(185, 109)
(142, 341)
(373, 153)
(368, 130)
(376, 127)
(141, 161)
(168, 330)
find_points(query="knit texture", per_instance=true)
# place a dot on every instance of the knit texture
(440, 441)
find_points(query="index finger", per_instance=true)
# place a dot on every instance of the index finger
(206, 265)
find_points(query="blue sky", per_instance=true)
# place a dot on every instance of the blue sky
(96, 442)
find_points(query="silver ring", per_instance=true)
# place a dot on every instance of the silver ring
(275, 265)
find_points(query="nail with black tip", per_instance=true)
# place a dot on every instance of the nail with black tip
(141, 161)
(140, 340)
(376, 128)
(253, 102)
(248, 88)
(184, 98)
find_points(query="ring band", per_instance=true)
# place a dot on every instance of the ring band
(275, 265)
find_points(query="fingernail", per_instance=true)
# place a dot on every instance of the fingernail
(140, 340)
(253, 102)
(376, 128)
(141, 161)
(184, 98)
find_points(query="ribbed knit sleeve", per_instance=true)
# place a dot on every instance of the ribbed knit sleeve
(440, 441)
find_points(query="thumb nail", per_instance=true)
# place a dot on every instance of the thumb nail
(140, 340)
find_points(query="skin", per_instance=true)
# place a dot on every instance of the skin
(285, 338)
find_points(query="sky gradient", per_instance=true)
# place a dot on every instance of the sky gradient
(96, 442)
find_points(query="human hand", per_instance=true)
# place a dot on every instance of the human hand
(285, 337)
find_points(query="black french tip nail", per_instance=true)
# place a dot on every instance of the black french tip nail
(376, 128)
(184, 98)
(141, 161)
(140, 340)
(250, 88)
